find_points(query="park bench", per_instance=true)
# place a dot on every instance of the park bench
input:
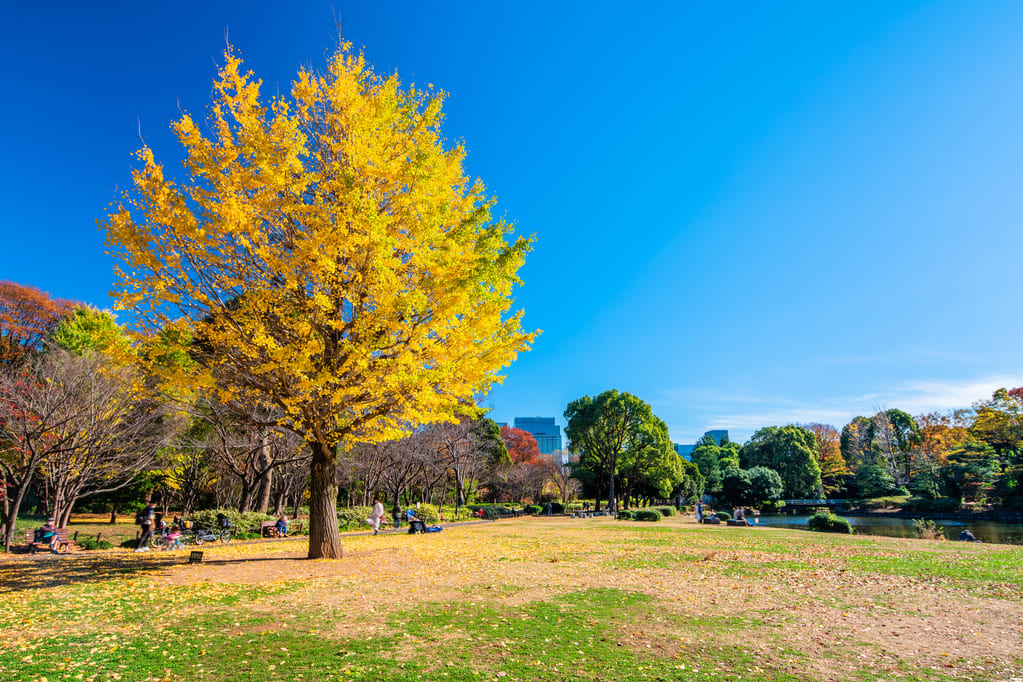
(63, 540)
(268, 529)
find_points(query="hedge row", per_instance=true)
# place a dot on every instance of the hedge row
(640, 515)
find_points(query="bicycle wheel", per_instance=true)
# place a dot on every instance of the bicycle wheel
(198, 537)
(157, 542)
(225, 535)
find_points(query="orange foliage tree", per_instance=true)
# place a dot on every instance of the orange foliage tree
(27, 317)
(829, 456)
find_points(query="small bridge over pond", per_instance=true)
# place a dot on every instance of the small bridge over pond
(793, 506)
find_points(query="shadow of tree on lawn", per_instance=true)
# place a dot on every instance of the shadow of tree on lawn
(18, 574)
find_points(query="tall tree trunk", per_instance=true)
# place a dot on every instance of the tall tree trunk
(611, 492)
(245, 503)
(324, 536)
(279, 502)
(12, 517)
(65, 517)
(6, 509)
(265, 482)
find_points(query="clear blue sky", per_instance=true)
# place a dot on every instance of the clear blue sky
(748, 215)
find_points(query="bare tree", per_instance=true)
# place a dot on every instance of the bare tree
(83, 421)
(469, 449)
(403, 465)
(291, 482)
(248, 445)
(886, 447)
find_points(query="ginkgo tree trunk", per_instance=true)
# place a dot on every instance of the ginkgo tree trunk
(329, 256)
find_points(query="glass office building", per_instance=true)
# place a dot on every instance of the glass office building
(546, 432)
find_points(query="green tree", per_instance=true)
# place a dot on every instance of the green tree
(91, 330)
(707, 458)
(765, 485)
(651, 469)
(855, 442)
(999, 423)
(971, 472)
(792, 452)
(729, 454)
(874, 480)
(611, 429)
(736, 487)
(693, 483)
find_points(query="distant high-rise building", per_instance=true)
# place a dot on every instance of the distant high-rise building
(686, 451)
(720, 435)
(546, 432)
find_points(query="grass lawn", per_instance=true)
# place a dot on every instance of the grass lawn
(524, 599)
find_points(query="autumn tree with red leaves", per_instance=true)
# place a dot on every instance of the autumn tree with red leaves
(27, 317)
(522, 447)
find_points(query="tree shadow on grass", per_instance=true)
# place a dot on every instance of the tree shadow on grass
(18, 574)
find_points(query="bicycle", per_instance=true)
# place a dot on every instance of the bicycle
(202, 535)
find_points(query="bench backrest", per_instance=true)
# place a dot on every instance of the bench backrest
(30, 535)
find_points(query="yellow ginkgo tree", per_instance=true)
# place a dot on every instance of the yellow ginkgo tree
(329, 257)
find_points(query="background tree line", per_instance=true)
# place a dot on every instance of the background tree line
(87, 424)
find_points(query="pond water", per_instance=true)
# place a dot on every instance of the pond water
(988, 531)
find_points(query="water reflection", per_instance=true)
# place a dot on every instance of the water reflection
(986, 531)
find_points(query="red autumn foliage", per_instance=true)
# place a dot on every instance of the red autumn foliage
(522, 447)
(27, 316)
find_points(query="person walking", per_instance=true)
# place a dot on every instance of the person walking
(146, 518)
(699, 511)
(376, 516)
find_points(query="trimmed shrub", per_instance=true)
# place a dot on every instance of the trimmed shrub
(626, 515)
(666, 510)
(557, 508)
(207, 518)
(827, 522)
(574, 506)
(91, 543)
(648, 515)
(723, 515)
(428, 513)
(534, 509)
(356, 516)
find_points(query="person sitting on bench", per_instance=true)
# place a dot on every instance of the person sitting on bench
(415, 524)
(48, 534)
(282, 526)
